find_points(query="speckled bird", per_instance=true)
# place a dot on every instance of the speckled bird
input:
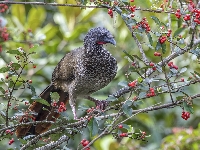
(79, 73)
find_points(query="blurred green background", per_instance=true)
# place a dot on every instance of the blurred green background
(55, 31)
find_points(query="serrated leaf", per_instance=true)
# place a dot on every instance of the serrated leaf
(188, 108)
(54, 96)
(197, 73)
(16, 52)
(158, 45)
(137, 103)
(4, 69)
(123, 83)
(163, 48)
(111, 98)
(142, 95)
(32, 90)
(40, 100)
(183, 70)
(83, 107)
(127, 54)
(178, 31)
(150, 38)
(156, 20)
(16, 66)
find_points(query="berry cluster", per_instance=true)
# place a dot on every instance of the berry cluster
(152, 65)
(162, 39)
(54, 104)
(143, 135)
(186, 17)
(157, 54)
(110, 12)
(11, 141)
(132, 8)
(4, 33)
(3, 8)
(9, 132)
(90, 110)
(84, 142)
(171, 65)
(169, 32)
(144, 24)
(185, 115)
(178, 13)
(132, 84)
(151, 92)
(197, 15)
(123, 134)
(62, 107)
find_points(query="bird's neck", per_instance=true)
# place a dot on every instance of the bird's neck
(94, 49)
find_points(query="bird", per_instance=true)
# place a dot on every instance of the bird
(79, 73)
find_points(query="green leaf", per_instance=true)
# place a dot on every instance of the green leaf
(2, 90)
(156, 20)
(158, 46)
(123, 83)
(4, 69)
(163, 48)
(196, 52)
(197, 73)
(40, 100)
(127, 108)
(111, 98)
(16, 66)
(93, 127)
(11, 83)
(142, 95)
(139, 79)
(150, 38)
(178, 31)
(188, 108)
(179, 98)
(127, 54)
(183, 70)
(83, 107)
(32, 90)
(54, 96)
(16, 52)
(137, 57)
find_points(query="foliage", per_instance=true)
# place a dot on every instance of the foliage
(159, 70)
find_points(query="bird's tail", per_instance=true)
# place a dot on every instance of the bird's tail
(41, 112)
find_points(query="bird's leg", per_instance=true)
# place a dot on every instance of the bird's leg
(101, 103)
(72, 101)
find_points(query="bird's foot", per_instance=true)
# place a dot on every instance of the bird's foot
(101, 104)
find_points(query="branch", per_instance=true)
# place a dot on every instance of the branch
(55, 144)
(81, 6)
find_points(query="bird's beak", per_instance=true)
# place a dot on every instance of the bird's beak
(109, 39)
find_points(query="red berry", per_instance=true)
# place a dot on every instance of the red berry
(30, 81)
(120, 126)
(182, 79)
(151, 64)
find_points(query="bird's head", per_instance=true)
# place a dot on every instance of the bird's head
(99, 36)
